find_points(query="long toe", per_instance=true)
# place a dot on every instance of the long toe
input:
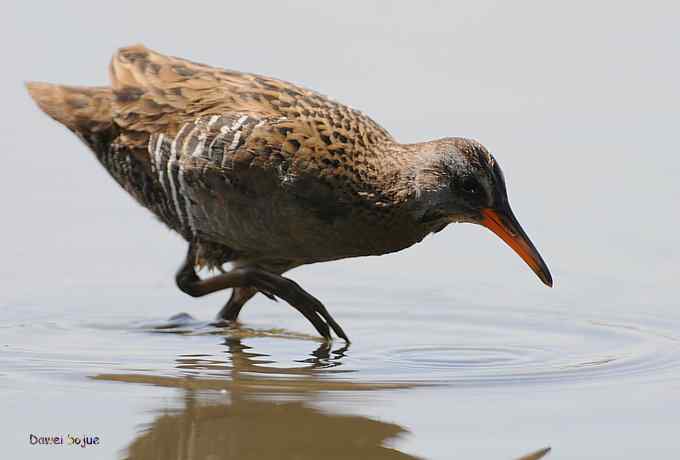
(320, 325)
(338, 330)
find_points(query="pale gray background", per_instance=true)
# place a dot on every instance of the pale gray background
(577, 100)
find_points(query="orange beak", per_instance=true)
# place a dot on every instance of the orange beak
(504, 224)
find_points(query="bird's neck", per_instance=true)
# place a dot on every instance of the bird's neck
(400, 166)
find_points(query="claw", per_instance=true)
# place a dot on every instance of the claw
(269, 295)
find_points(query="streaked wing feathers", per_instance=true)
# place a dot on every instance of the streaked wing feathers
(156, 93)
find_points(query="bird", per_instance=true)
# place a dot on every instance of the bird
(266, 176)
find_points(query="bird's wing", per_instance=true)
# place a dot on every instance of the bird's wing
(157, 93)
(298, 131)
(217, 139)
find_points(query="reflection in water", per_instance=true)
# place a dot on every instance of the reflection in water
(261, 411)
(244, 406)
(243, 420)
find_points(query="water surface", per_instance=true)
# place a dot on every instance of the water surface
(449, 380)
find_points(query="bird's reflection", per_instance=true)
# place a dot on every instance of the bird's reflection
(246, 407)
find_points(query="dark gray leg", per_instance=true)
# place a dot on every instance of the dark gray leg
(265, 282)
(239, 297)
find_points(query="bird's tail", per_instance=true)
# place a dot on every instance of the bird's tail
(84, 110)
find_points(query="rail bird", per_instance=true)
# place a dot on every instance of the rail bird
(268, 176)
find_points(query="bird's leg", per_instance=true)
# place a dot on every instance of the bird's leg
(263, 281)
(239, 297)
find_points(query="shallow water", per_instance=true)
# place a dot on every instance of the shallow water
(449, 381)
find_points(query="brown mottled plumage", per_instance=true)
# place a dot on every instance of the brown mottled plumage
(269, 175)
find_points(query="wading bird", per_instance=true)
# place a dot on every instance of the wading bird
(269, 176)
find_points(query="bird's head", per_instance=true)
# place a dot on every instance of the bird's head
(458, 180)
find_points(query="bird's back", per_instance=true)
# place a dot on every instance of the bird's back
(157, 93)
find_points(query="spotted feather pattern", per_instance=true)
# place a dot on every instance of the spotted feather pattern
(153, 93)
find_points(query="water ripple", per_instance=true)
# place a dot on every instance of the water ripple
(517, 351)
(464, 348)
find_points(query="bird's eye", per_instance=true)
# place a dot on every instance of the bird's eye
(470, 185)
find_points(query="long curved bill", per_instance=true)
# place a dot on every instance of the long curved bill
(504, 224)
